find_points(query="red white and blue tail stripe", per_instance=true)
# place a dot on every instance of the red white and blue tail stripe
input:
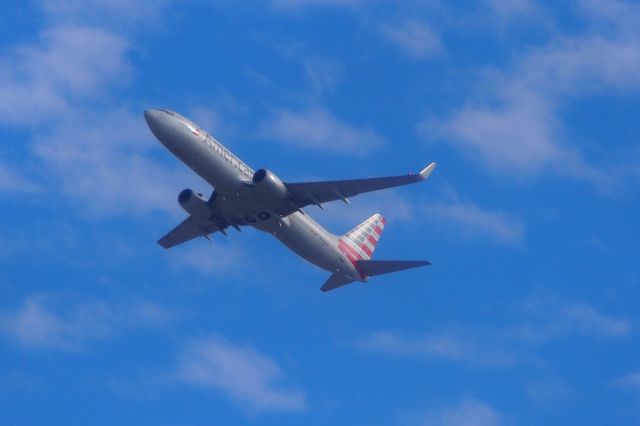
(361, 241)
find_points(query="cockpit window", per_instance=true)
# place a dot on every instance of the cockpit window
(195, 129)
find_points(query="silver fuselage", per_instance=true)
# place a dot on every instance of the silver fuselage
(229, 176)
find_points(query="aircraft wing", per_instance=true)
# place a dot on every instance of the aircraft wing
(306, 193)
(189, 229)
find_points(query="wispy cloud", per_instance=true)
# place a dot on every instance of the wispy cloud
(44, 323)
(341, 218)
(629, 381)
(68, 63)
(102, 162)
(12, 182)
(549, 391)
(296, 5)
(114, 13)
(549, 319)
(515, 127)
(318, 129)
(469, 412)
(58, 85)
(474, 222)
(464, 220)
(508, 9)
(323, 75)
(415, 38)
(544, 320)
(245, 375)
(219, 259)
(461, 345)
(520, 138)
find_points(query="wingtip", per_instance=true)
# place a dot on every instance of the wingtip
(424, 173)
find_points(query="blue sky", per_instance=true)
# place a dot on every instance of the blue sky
(529, 314)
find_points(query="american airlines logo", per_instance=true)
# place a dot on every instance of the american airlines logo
(223, 152)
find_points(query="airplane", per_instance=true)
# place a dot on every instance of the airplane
(244, 197)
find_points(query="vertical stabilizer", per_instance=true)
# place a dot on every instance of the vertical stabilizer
(364, 237)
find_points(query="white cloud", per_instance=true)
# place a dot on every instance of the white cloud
(515, 127)
(58, 85)
(549, 391)
(240, 372)
(289, 5)
(207, 118)
(100, 12)
(414, 38)
(102, 162)
(469, 412)
(544, 321)
(319, 130)
(507, 9)
(522, 138)
(618, 15)
(472, 221)
(341, 218)
(465, 220)
(215, 258)
(455, 344)
(323, 75)
(551, 320)
(510, 140)
(66, 64)
(78, 55)
(44, 323)
(12, 182)
(36, 327)
(629, 381)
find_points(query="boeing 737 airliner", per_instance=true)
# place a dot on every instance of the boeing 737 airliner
(243, 197)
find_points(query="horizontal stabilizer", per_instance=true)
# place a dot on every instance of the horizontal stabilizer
(378, 267)
(335, 281)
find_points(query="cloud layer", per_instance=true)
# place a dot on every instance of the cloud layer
(514, 126)
(242, 373)
(545, 320)
(318, 129)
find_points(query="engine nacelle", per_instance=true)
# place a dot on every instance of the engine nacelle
(269, 184)
(194, 203)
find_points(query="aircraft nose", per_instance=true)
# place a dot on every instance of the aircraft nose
(154, 119)
(151, 117)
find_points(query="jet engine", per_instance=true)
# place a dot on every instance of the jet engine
(269, 184)
(194, 203)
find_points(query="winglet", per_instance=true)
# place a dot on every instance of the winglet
(424, 173)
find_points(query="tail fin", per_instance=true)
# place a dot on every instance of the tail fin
(364, 237)
(379, 267)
